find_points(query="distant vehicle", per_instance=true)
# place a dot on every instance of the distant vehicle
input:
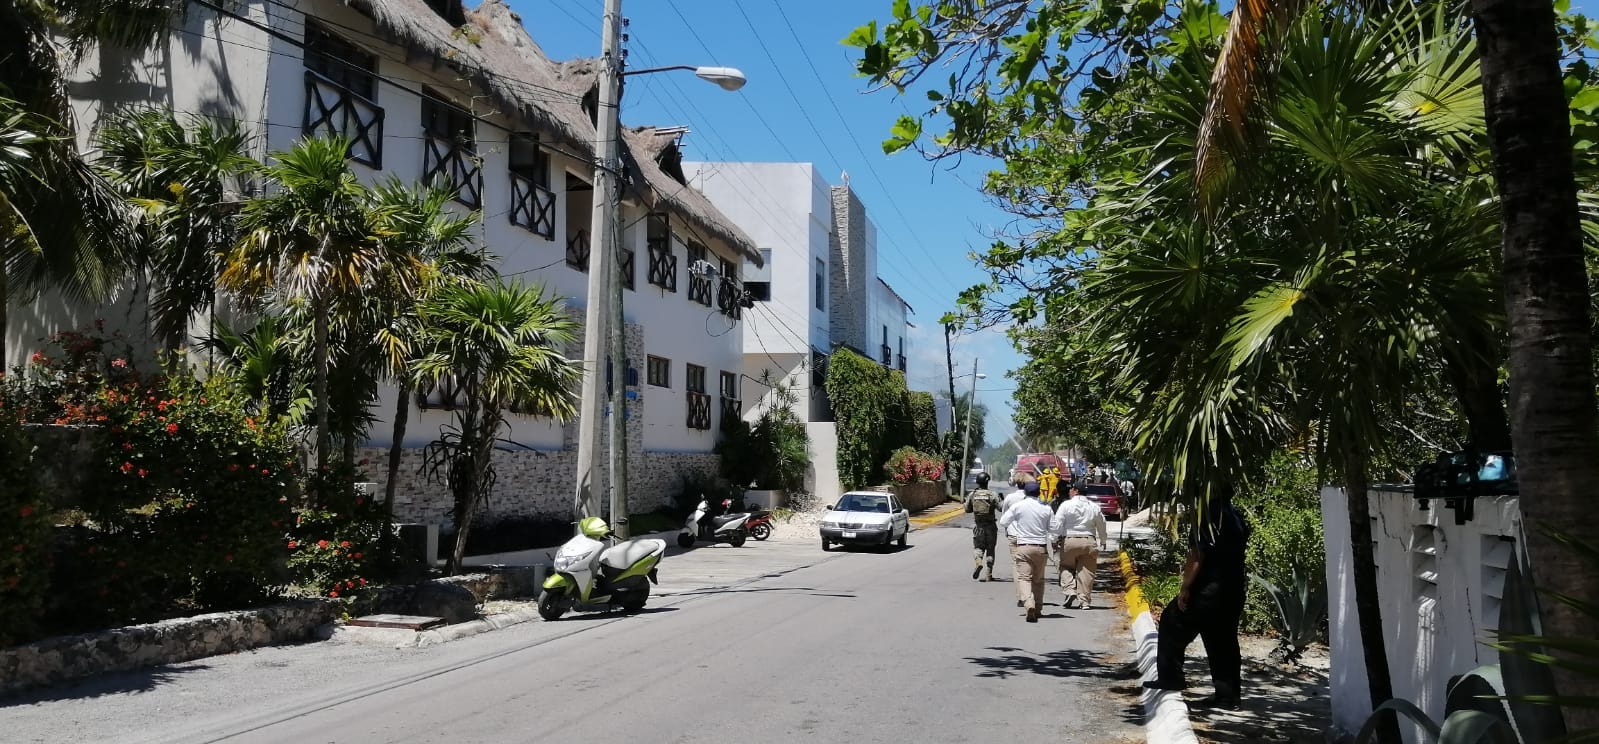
(1107, 495)
(971, 480)
(866, 517)
(1035, 464)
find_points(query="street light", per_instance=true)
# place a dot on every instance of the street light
(966, 439)
(605, 281)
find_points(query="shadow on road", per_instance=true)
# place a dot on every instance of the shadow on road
(1280, 705)
(1063, 663)
(751, 590)
(614, 614)
(847, 548)
(141, 680)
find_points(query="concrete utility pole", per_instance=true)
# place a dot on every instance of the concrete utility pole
(966, 436)
(600, 269)
(949, 364)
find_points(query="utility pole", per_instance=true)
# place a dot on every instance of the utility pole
(966, 436)
(619, 367)
(601, 249)
(949, 364)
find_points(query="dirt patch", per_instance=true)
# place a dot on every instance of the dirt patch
(1282, 704)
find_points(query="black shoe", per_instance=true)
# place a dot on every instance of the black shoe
(1020, 603)
(976, 572)
(1158, 685)
(1215, 703)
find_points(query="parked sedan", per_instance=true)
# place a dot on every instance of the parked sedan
(866, 518)
(1107, 495)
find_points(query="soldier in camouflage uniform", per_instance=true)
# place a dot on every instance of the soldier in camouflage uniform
(984, 506)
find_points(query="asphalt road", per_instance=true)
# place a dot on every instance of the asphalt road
(857, 646)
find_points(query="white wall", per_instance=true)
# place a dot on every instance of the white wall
(822, 479)
(1440, 586)
(885, 309)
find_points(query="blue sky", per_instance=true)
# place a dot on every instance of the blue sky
(803, 103)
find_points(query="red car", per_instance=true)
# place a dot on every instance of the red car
(1035, 464)
(1108, 495)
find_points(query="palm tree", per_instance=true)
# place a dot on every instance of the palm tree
(502, 344)
(84, 252)
(262, 361)
(1554, 419)
(187, 179)
(314, 245)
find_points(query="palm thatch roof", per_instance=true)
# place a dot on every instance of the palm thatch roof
(492, 48)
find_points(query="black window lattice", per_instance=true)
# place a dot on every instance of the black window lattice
(334, 110)
(627, 268)
(577, 250)
(699, 411)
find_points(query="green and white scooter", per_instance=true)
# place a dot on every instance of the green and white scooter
(591, 577)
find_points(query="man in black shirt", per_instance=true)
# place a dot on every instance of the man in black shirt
(1209, 605)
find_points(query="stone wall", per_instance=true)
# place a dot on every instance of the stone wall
(534, 483)
(55, 660)
(919, 496)
(61, 458)
(849, 275)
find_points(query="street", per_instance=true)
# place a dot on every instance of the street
(853, 645)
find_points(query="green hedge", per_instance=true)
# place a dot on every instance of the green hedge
(24, 536)
(875, 414)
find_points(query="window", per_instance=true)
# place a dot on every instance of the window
(732, 408)
(699, 273)
(659, 371)
(449, 151)
(902, 353)
(821, 285)
(888, 351)
(340, 90)
(699, 404)
(663, 262)
(532, 199)
(577, 250)
(759, 291)
(758, 279)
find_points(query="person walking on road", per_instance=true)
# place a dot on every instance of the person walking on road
(1011, 499)
(1028, 524)
(1209, 605)
(1079, 531)
(983, 505)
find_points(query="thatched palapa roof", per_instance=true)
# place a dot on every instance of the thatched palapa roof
(494, 50)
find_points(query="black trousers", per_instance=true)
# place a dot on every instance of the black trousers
(1213, 613)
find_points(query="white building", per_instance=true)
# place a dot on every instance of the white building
(429, 91)
(818, 291)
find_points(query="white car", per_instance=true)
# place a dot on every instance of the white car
(866, 517)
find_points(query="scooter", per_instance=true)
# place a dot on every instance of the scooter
(590, 576)
(727, 528)
(759, 524)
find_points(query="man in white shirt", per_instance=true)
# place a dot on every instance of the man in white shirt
(1027, 523)
(1078, 529)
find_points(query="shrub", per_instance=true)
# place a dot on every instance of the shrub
(907, 465)
(867, 398)
(1285, 510)
(334, 546)
(24, 537)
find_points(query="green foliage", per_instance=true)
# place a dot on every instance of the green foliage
(966, 439)
(775, 452)
(1301, 611)
(865, 396)
(186, 491)
(1284, 506)
(1160, 589)
(336, 541)
(24, 535)
(906, 465)
(924, 421)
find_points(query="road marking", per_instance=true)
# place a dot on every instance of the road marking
(953, 512)
(1165, 713)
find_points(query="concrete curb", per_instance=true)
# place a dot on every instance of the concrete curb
(955, 510)
(1165, 713)
(468, 629)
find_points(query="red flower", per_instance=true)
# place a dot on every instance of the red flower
(264, 471)
(172, 428)
(344, 543)
(333, 593)
(143, 472)
(293, 544)
(356, 556)
(363, 582)
(25, 510)
(233, 467)
(322, 543)
(119, 363)
(127, 445)
(126, 467)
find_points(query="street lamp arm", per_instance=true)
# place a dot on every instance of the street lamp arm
(648, 70)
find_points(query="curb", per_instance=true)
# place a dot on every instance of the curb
(937, 519)
(468, 629)
(1165, 714)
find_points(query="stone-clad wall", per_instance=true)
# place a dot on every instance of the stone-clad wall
(849, 274)
(536, 483)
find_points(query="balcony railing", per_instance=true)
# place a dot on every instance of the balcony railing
(699, 288)
(732, 409)
(332, 109)
(902, 362)
(730, 299)
(888, 355)
(663, 265)
(577, 250)
(451, 164)
(628, 263)
(699, 411)
(446, 394)
(532, 206)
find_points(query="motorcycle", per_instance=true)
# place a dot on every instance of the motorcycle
(759, 524)
(592, 576)
(729, 528)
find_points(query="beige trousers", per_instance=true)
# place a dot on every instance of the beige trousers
(1079, 558)
(1030, 574)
